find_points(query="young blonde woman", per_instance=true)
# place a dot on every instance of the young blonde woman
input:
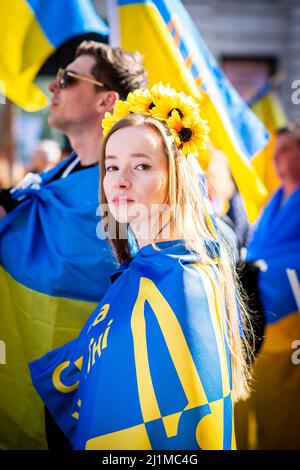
(163, 358)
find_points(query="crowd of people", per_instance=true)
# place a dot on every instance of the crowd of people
(150, 329)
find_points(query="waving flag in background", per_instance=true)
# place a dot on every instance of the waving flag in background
(50, 281)
(175, 53)
(31, 30)
(268, 108)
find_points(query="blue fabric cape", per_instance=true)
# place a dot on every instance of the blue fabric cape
(49, 243)
(276, 241)
(151, 368)
(54, 271)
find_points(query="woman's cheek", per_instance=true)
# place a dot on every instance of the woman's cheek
(107, 185)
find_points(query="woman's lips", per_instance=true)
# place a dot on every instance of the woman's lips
(122, 200)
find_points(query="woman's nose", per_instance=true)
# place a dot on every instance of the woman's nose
(123, 180)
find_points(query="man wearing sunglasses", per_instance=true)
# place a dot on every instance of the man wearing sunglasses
(49, 250)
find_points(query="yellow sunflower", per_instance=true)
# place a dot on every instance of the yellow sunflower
(107, 123)
(190, 134)
(160, 91)
(140, 101)
(121, 110)
(144, 101)
(171, 102)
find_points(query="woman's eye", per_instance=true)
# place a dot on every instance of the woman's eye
(111, 168)
(143, 166)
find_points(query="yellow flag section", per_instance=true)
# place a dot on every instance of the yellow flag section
(269, 110)
(24, 49)
(175, 53)
(32, 324)
(156, 44)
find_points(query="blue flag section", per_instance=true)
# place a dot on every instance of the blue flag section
(276, 242)
(63, 20)
(36, 230)
(151, 368)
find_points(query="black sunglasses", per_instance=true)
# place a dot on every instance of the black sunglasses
(66, 78)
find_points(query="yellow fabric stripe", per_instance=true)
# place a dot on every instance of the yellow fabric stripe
(264, 165)
(210, 430)
(24, 48)
(134, 438)
(271, 113)
(156, 45)
(279, 336)
(216, 318)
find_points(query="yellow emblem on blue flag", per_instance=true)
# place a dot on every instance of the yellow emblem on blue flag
(151, 368)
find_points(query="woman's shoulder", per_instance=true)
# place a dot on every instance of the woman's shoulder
(173, 260)
(163, 257)
(168, 260)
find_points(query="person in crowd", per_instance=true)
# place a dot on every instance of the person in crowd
(275, 251)
(162, 359)
(54, 268)
(45, 156)
(9, 175)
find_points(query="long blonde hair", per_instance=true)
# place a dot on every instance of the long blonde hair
(184, 191)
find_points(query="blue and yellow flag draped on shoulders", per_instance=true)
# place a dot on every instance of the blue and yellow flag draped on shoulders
(54, 270)
(276, 243)
(151, 369)
(31, 30)
(274, 403)
(175, 53)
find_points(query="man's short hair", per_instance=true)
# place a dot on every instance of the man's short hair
(117, 69)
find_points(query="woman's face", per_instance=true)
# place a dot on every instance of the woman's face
(136, 178)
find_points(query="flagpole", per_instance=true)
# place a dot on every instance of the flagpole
(114, 22)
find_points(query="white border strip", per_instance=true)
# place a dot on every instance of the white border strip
(295, 285)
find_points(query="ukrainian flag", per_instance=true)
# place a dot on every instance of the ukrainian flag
(54, 270)
(151, 368)
(31, 30)
(269, 110)
(175, 53)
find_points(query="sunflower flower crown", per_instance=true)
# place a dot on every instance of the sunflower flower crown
(179, 111)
